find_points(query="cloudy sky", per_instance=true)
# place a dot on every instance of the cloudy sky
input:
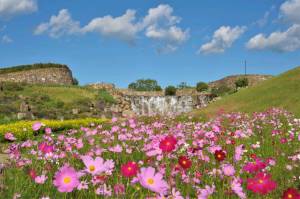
(171, 41)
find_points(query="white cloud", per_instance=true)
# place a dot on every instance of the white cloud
(9, 8)
(162, 14)
(122, 27)
(281, 41)
(169, 37)
(159, 24)
(223, 38)
(59, 25)
(6, 39)
(290, 10)
(286, 41)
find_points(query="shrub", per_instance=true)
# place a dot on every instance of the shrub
(12, 86)
(201, 86)
(183, 85)
(22, 130)
(75, 81)
(145, 85)
(105, 96)
(170, 90)
(241, 82)
(219, 91)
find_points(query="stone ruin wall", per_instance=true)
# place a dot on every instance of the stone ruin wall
(60, 76)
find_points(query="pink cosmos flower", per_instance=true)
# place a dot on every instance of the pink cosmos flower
(83, 185)
(9, 137)
(66, 179)
(237, 188)
(48, 131)
(40, 179)
(104, 190)
(239, 151)
(252, 167)
(37, 126)
(119, 189)
(116, 149)
(176, 194)
(261, 184)
(206, 192)
(152, 181)
(97, 165)
(228, 170)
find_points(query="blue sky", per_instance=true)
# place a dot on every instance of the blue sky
(170, 41)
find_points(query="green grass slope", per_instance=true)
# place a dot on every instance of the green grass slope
(282, 91)
(49, 101)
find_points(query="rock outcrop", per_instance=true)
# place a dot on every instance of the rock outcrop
(38, 74)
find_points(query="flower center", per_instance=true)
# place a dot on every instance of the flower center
(92, 168)
(260, 181)
(183, 162)
(219, 156)
(129, 168)
(290, 195)
(168, 143)
(150, 181)
(67, 180)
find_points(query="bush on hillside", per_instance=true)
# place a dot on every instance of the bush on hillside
(145, 85)
(170, 91)
(220, 91)
(75, 81)
(201, 86)
(105, 96)
(241, 82)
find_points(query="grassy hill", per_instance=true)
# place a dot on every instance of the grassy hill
(281, 91)
(49, 101)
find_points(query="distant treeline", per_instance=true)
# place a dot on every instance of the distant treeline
(31, 67)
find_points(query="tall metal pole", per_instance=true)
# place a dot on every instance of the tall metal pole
(245, 67)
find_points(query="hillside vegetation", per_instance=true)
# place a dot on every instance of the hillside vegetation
(49, 101)
(282, 91)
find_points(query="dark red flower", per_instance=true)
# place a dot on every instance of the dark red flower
(129, 169)
(253, 156)
(32, 174)
(168, 144)
(291, 193)
(220, 155)
(184, 162)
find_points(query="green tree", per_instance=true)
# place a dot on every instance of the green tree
(241, 82)
(183, 85)
(201, 86)
(145, 85)
(170, 90)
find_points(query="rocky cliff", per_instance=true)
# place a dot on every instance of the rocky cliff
(38, 74)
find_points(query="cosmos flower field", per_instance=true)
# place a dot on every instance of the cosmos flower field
(231, 156)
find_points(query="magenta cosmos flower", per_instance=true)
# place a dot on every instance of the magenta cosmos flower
(152, 181)
(253, 167)
(261, 184)
(96, 166)
(66, 179)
